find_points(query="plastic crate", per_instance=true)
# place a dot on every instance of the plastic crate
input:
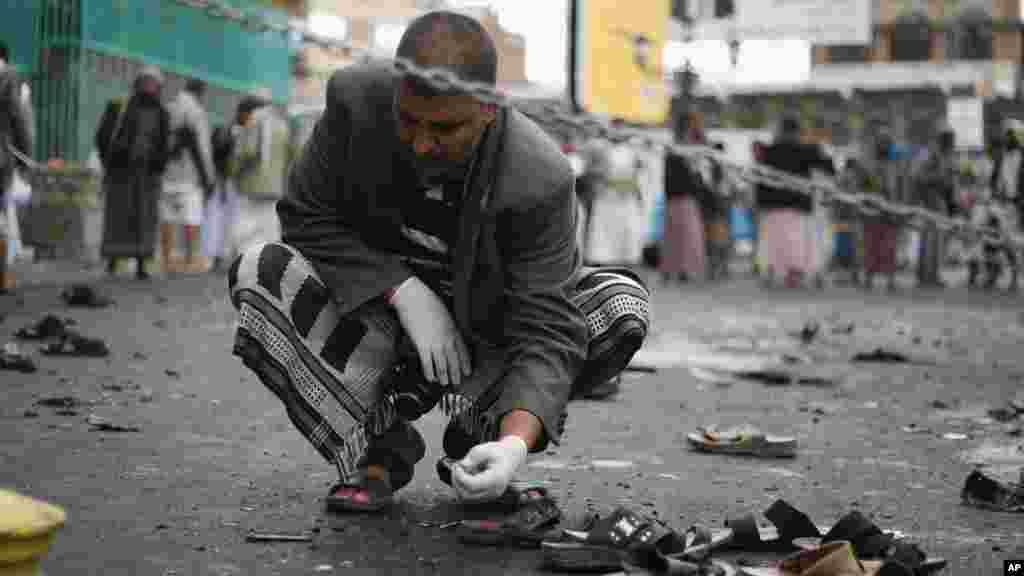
(65, 216)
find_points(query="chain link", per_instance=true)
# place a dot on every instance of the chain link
(591, 126)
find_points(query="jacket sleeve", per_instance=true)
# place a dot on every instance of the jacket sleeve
(321, 218)
(105, 131)
(545, 331)
(23, 135)
(201, 126)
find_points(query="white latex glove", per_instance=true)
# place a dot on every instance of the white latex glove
(484, 474)
(430, 326)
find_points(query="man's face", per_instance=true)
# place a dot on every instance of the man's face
(439, 133)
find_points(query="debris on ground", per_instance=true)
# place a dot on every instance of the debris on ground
(74, 344)
(985, 492)
(62, 402)
(273, 537)
(881, 355)
(742, 441)
(48, 327)
(809, 332)
(1008, 413)
(173, 374)
(100, 424)
(84, 296)
(844, 328)
(12, 359)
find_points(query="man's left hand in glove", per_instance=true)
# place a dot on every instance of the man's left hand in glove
(484, 474)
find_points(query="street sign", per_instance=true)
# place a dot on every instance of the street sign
(821, 22)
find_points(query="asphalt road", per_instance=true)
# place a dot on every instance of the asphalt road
(216, 456)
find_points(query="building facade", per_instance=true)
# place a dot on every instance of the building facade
(373, 28)
(922, 55)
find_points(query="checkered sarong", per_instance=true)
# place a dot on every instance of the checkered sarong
(333, 373)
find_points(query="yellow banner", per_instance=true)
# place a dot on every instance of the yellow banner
(619, 47)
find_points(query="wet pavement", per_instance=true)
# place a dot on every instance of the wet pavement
(215, 456)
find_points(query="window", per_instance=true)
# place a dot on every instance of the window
(911, 39)
(848, 53)
(970, 38)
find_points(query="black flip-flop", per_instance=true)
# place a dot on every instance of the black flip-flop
(48, 327)
(72, 344)
(787, 524)
(16, 362)
(622, 536)
(527, 527)
(85, 296)
(870, 542)
(379, 495)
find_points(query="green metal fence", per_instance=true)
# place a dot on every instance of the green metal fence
(89, 51)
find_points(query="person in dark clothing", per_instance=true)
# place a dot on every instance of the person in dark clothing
(133, 142)
(784, 242)
(687, 197)
(429, 256)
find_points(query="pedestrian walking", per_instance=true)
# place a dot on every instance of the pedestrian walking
(261, 157)
(133, 143)
(883, 176)
(934, 191)
(16, 137)
(786, 240)
(687, 194)
(429, 255)
(189, 182)
(220, 216)
(615, 220)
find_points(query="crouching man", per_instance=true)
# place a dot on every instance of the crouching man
(428, 256)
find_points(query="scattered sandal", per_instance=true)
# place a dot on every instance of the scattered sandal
(833, 559)
(528, 526)
(870, 542)
(71, 344)
(13, 360)
(743, 442)
(623, 536)
(85, 296)
(371, 496)
(787, 524)
(985, 492)
(47, 328)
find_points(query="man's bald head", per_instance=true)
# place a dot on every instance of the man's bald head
(452, 41)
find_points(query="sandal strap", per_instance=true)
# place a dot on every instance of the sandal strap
(867, 539)
(534, 514)
(790, 522)
(622, 528)
(744, 531)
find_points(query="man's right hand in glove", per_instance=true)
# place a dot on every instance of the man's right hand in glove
(432, 330)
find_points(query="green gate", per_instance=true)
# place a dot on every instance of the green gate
(90, 51)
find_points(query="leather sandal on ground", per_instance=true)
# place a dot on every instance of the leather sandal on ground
(746, 443)
(16, 362)
(527, 526)
(833, 559)
(71, 344)
(984, 492)
(623, 536)
(786, 525)
(85, 296)
(373, 495)
(870, 542)
(681, 568)
(48, 327)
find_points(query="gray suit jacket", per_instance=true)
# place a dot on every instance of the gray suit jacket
(515, 261)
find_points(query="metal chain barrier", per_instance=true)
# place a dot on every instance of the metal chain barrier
(590, 126)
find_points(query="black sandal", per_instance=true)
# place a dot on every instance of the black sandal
(16, 362)
(870, 542)
(787, 524)
(72, 344)
(623, 536)
(48, 327)
(344, 497)
(527, 527)
(85, 296)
